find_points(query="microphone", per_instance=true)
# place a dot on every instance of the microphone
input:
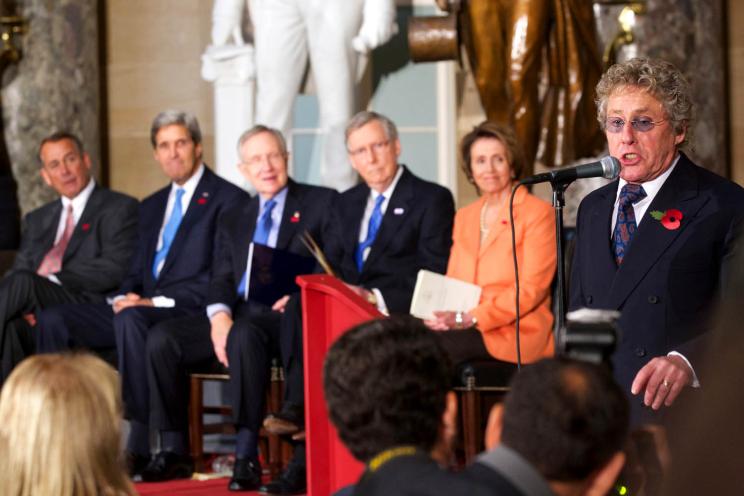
(608, 167)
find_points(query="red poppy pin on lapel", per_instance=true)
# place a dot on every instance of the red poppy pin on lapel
(670, 219)
(201, 201)
(85, 227)
(295, 217)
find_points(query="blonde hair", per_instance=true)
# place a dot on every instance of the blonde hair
(61, 429)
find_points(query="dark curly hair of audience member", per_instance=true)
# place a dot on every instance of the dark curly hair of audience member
(565, 417)
(385, 384)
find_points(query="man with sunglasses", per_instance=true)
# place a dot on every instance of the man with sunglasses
(656, 243)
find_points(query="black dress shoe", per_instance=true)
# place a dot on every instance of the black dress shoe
(246, 475)
(288, 421)
(166, 466)
(291, 481)
(136, 464)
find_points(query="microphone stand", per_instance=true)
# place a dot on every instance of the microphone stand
(559, 201)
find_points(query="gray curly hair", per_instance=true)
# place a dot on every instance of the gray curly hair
(658, 77)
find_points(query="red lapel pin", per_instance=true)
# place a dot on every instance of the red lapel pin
(295, 217)
(85, 227)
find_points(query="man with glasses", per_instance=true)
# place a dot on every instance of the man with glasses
(242, 335)
(656, 243)
(386, 229)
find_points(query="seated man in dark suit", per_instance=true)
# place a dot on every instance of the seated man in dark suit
(386, 230)
(655, 244)
(387, 387)
(168, 278)
(241, 334)
(74, 249)
(561, 430)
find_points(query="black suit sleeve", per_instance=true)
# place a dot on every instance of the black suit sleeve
(116, 227)
(575, 295)
(222, 286)
(432, 250)
(30, 241)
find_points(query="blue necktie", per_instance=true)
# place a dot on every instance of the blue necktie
(169, 232)
(260, 235)
(625, 226)
(374, 225)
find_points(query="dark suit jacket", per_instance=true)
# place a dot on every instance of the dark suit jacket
(185, 273)
(235, 232)
(416, 233)
(417, 475)
(99, 251)
(669, 280)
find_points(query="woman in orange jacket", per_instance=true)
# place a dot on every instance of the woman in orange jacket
(482, 254)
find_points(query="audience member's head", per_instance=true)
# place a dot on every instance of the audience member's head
(569, 419)
(478, 156)
(263, 159)
(373, 146)
(386, 384)
(65, 166)
(176, 141)
(60, 432)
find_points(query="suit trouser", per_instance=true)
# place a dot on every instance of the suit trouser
(119, 338)
(179, 347)
(292, 353)
(22, 292)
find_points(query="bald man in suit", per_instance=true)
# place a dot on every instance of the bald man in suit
(74, 249)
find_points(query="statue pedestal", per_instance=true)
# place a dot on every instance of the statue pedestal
(233, 72)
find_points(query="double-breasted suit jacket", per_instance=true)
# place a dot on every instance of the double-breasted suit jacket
(669, 280)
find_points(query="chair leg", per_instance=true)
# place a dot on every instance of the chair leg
(471, 422)
(196, 423)
(274, 403)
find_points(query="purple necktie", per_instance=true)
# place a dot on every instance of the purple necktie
(626, 225)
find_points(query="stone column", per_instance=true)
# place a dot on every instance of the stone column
(55, 86)
(232, 70)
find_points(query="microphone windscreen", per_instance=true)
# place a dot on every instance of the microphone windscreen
(610, 167)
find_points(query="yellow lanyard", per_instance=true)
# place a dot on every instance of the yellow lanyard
(385, 456)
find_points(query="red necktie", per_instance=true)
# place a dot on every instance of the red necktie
(52, 262)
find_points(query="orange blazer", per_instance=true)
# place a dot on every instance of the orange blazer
(490, 266)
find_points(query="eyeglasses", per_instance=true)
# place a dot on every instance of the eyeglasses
(259, 159)
(643, 124)
(376, 148)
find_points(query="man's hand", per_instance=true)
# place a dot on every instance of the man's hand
(221, 324)
(662, 379)
(363, 293)
(280, 304)
(131, 300)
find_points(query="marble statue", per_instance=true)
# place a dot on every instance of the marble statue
(331, 35)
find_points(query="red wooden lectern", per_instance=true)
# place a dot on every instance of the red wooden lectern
(329, 309)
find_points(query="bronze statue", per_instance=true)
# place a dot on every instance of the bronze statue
(506, 42)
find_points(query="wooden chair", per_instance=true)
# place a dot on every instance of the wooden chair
(270, 444)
